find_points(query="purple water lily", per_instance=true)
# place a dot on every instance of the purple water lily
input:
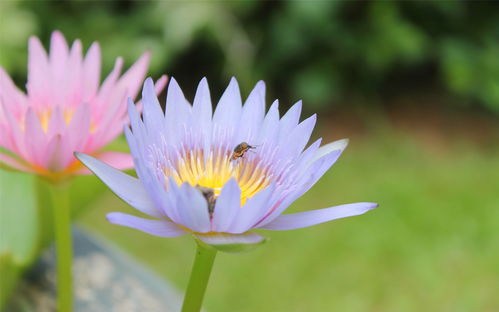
(219, 175)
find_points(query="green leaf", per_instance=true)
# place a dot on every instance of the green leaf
(18, 227)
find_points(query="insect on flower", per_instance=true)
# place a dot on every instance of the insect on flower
(188, 184)
(240, 150)
(209, 195)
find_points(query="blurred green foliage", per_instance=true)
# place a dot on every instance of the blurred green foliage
(322, 51)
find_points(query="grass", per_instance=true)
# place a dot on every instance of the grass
(433, 244)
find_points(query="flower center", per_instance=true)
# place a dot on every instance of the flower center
(217, 168)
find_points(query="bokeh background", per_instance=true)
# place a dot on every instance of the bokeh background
(414, 85)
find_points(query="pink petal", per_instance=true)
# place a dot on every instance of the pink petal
(38, 69)
(121, 161)
(74, 92)
(16, 137)
(55, 157)
(14, 99)
(79, 127)
(34, 137)
(58, 59)
(91, 72)
(57, 124)
(134, 77)
(13, 163)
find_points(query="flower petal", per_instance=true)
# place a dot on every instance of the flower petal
(38, 68)
(252, 211)
(161, 228)
(202, 113)
(328, 148)
(91, 72)
(306, 181)
(308, 218)
(177, 114)
(298, 137)
(227, 206)
(13, 98)
(191, 206)
(232, 242)
(13, 163)
(133, 77)
(252, 115)
(120, 161)
(124, 186)
(289, 120)
(153, 115)
(227, 115)
(35, 138)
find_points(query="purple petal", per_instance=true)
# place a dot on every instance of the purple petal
(227, 115)
(177, 114)
(227, 206)
(138, 126)
(202, 114)
(289, 120)
(270, 123)
(252, 211)
(252, 115)
(163, 228)
(191, 207)
(126, 187)
(232, 242)
(328, 148)
(298, 138)
(309, 218)
(153, 114)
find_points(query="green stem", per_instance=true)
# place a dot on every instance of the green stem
(63, 246)
(201, 270)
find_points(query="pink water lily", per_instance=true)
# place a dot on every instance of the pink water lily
(66, 109)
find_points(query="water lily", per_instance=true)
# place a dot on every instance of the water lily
(65, 109)
(219, 175)
(194, 178)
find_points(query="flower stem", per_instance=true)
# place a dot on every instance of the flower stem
(63, 246)
(198, 281)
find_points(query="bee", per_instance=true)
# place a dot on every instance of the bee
(240, 150)
(209, 195)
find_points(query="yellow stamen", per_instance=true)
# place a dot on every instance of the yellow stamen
(217, 169)
(45, 115)
(44, 119)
